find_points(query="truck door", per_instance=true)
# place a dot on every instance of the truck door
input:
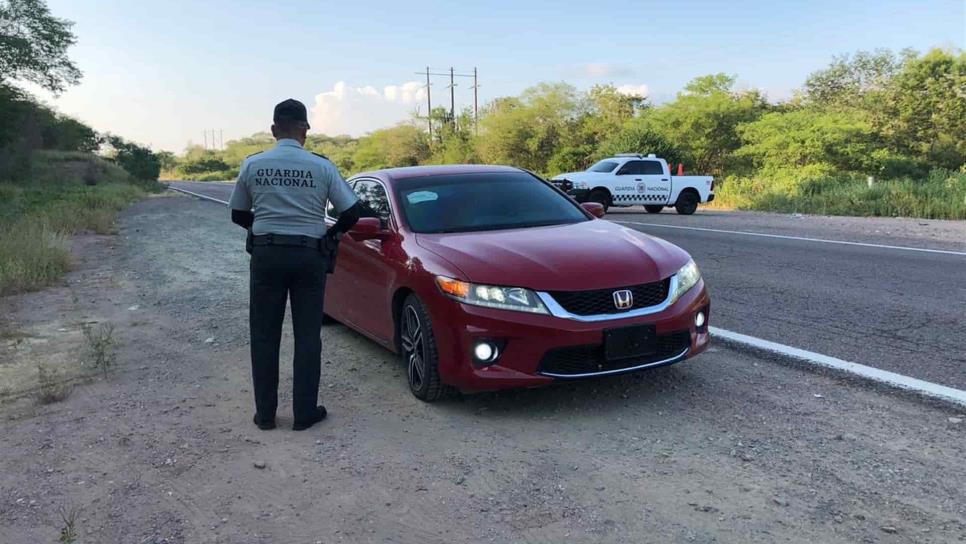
(657, 183)
(647, 179)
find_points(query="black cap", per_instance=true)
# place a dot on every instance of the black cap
(291, 110)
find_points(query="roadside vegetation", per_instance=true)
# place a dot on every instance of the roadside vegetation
(58, 177)
(900, 118)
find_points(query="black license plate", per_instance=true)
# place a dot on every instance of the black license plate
(628, 342)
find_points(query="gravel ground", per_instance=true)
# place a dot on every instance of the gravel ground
(727, 447)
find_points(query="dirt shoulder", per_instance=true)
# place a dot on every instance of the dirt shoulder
(725, 448)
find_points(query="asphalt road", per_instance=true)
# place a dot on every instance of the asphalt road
(893, 309)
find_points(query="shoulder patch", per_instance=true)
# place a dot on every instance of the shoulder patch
(319, 155)
(253, 154)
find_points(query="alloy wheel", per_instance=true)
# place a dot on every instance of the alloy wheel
(414, 347)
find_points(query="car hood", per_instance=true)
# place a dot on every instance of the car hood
(589, 255)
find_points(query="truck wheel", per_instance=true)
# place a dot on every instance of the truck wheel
(687, 203)
(601, 197)
(653, 208)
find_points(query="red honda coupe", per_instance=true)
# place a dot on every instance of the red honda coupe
(488, 277)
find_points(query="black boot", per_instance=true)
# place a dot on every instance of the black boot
(317, 417)
(264, 425)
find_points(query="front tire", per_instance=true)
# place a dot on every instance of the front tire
(653, 209)
(601, 197)
(419, 354)
(687, 203)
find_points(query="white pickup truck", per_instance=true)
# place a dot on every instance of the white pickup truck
(631, 179)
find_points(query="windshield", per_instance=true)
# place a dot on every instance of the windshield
(483, 201)
(603, 166)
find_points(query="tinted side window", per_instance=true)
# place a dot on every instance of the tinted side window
(652, 168)
(330, 208)
(631, 168)
(373, 199)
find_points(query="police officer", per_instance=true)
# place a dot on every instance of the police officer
(281, 197)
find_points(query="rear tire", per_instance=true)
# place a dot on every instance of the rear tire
(653, 208)
(419, 354)
(687, 203)
(601, 197)
(328, 320)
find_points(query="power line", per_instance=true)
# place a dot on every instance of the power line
(452, 95)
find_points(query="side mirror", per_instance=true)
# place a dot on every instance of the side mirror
(367, 228)
(595, 209)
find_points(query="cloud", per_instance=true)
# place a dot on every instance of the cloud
(641, 90)
(358, 110)
(600, 69)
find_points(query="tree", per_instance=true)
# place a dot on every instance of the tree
(854, 81)
(527, 131)
(402, 145)
(841, 140)
(637, 136)
(924, 109)
(33, 45)
(167, 160)
(139, 161)
(702, 121)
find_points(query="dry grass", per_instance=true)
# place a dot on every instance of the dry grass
(52, 387)
(67, 194)
(100, 351)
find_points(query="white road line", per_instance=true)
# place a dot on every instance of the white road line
(199, 195)
(922, 387)
(800, 238)
(928, 389)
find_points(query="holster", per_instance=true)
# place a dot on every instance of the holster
(330, 249)
(249, 242)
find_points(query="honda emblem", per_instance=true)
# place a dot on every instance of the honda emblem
(623, 299)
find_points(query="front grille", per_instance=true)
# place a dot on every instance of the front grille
(601, 301)
(589, 359)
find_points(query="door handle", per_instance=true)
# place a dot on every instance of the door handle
(637, 179)
(663, 179)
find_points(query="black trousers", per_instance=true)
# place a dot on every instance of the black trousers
(279, 273)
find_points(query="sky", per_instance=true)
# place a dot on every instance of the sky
(162, 73)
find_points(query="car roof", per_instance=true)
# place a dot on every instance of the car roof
(392, 174)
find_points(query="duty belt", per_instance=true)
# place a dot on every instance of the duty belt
(286, 240)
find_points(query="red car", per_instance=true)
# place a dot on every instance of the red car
(488, 277)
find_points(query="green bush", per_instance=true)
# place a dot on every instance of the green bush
(139, 161)
(939, 195)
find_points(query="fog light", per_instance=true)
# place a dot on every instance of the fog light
(484, 352)
(699, 320)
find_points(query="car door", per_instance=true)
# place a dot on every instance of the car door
(338, 285)
(372, 265)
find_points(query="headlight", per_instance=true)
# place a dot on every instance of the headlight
(688, 277)
(489, 296)
(581, 185)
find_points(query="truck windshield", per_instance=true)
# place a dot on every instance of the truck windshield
(603, 166)
(483, 201)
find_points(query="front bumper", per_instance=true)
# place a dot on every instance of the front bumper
(540, 349)
(567, 186)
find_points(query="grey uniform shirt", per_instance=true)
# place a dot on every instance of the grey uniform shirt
(288, 188)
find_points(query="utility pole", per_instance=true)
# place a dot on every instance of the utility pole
(429, 106)
(206, 139)
(221, 138)
(476, 110)
(452, 94)
(452, 97)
